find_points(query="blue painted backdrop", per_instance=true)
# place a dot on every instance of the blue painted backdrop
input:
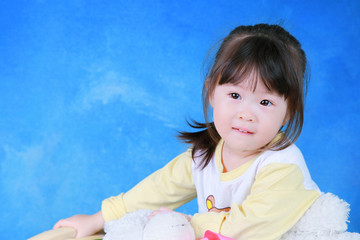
(92, 93)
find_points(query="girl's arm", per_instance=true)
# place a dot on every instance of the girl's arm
(85, 225)
(277, 200)
(171, 187)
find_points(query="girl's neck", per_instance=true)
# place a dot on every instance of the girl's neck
(232, 160)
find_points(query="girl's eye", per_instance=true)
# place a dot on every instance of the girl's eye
(265, 102)
(235, 96)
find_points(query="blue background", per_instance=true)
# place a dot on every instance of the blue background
(93, 92)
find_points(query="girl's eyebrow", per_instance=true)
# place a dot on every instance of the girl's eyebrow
(252, 89)
(244, 86)
(235, 85)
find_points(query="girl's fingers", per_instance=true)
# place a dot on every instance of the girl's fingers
(161, 210)
(165, 209)
(62, 223)
(58, 224)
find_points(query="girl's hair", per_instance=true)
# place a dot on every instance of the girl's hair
(277, 60)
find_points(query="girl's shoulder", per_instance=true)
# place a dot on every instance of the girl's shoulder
(290, 155)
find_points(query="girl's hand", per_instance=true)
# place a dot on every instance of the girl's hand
(85, 225)
(164, 210)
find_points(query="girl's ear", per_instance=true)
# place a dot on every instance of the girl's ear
(207, 84)
(211, 99)
(286, 119)
(207, 87)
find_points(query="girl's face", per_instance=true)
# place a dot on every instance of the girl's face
(246, 119)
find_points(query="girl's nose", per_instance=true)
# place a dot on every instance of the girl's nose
(246, 114)
(246, 117)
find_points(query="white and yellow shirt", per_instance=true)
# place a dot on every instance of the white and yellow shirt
(261, 199)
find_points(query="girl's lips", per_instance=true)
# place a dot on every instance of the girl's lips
(242, 130)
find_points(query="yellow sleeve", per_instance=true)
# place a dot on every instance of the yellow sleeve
(171, 186)
(276, 202)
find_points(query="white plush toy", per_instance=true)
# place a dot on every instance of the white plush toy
(137, 226)
(326, 219)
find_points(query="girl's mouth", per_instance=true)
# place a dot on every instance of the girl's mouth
(242, 130)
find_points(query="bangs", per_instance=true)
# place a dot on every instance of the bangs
(254, 58)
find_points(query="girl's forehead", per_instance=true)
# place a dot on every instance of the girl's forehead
(250, 82)
(257, 87)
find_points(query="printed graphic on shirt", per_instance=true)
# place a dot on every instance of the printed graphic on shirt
(210, 204)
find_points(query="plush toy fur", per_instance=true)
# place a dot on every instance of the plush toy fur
(326, 219)
(137, 226)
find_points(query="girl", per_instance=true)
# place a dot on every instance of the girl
(250, 179)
